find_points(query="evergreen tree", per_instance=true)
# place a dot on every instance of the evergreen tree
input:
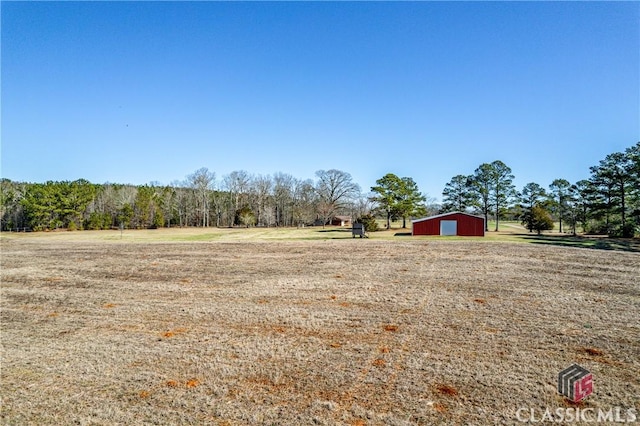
(538, 219)
(560, 189)
(410, 200)
(481, 184)
(633, 156)
(615, 183)
(502, 189)
(532, 195)
(387, 192)
(457, 194)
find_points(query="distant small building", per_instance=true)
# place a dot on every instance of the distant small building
(341, 221)
(455, 223)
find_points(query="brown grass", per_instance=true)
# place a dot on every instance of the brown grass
(256, 338)
(593, 351)
(447, 390)
(440, 408)
(379, 362)
(192, 383)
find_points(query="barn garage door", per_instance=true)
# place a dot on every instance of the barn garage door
(448, 227)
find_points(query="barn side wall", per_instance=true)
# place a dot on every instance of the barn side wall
(468, 226)
(427, 227)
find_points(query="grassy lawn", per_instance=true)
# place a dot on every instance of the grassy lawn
(511, 232)
(263, 326)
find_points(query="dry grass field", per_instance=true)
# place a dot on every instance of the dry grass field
(238, 331)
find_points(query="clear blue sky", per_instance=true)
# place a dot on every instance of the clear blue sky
(134, 92)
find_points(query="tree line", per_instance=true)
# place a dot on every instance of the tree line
(608, 202)
(238, 199)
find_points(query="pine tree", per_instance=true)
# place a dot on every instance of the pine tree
(387, 191)
(457, 194)
(560, 192)
(410, 200)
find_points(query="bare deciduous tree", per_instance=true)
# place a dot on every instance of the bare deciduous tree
(237, 185)
(202, 183)
(261, 188)
(335, 189)
(304, 202)
(283, 188)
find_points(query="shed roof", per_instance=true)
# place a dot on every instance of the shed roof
(444, 215)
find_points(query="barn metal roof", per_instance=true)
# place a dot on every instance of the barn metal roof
(446, 214)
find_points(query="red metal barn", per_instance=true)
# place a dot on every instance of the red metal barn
(456, 223)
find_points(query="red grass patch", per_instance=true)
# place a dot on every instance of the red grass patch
(266, 382)
(144, 394)
(379, 362)
(345, 304)
(263, 381)
(53, 314)
(172, 333)
(568, 403)
(333, 297)
(593, 351)
(439, 408)
(172, 383)
(192, 383)
(390, 327)
(447, 390)
(335, 345)
(109, 305)
(481, 301)
(358, 422)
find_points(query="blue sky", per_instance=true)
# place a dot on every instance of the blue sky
(134, 92)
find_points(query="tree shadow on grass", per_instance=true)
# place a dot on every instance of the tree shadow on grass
(402, 234)
(597, 243)
(337, 233)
